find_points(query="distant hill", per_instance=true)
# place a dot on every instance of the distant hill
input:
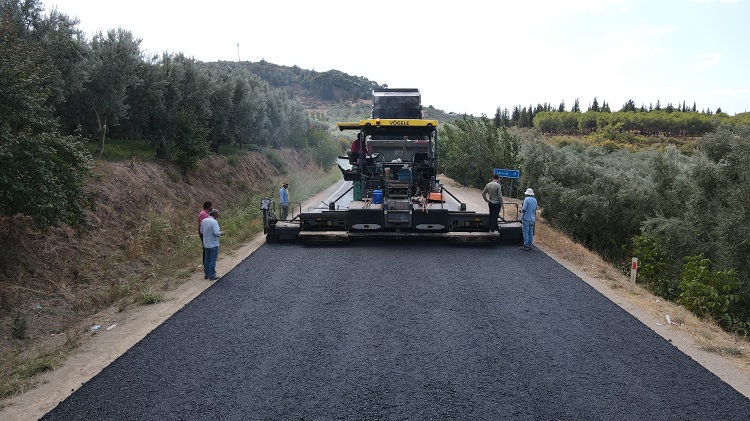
(309, 87)
(333, 94)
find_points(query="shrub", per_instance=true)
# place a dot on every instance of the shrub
(709, 293)
(43, 176)
(653, 267)
(148, 296)
(18, 326)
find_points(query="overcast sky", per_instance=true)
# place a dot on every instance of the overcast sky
(468, 56)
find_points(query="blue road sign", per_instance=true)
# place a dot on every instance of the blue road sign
(507, 173)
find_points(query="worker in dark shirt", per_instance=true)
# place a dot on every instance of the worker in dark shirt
(493, 195)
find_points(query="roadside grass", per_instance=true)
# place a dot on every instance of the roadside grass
(303, 187)
(243, 219)
(121, 150)
(149, 296)
(233, 150)
(276, 161)
(24, 373)
(178, 247)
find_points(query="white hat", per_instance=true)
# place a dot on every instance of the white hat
(529, 192)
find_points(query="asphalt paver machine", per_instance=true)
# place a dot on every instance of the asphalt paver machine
(395, 191)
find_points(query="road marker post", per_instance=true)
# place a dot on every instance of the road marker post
(633, 273)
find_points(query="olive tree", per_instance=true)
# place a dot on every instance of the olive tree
(41, 173)
(112, 63)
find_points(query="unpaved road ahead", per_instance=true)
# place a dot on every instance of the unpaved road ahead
(402, 331)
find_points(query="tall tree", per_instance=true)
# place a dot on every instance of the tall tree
(182, 112)
(594, 106)
(474, 147)
(65, 45)
(41, 172)
(113, 63)
(628, 106)
(24, 76)
(498, 120)
(516, 115)
(524, 119)
(576, 107)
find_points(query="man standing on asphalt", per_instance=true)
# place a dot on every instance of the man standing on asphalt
(528, 219)
(201, 216)
(211, 234)
(493, 195)
(284, 201)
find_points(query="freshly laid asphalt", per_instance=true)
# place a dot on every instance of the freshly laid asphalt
(394, 330)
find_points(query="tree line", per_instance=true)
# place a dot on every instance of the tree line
(684, 215)
(331, 85)
(670, 121)
(58, 89)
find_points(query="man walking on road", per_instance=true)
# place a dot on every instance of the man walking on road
(211, 234)
(493, 195)
(528, 219)
(284, 201)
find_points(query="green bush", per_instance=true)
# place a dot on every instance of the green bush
(709, 293)
(43, 176)
(654, 267)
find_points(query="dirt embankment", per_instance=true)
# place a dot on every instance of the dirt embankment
(49, 282)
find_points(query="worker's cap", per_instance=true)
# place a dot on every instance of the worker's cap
(529, 192)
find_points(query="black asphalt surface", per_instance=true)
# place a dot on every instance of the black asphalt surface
(411, 331)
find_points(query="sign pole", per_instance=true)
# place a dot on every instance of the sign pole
(633, 272)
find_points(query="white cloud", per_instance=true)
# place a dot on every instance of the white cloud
(664, 30)
(707, 61)
(635, 45)
(741, 92)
